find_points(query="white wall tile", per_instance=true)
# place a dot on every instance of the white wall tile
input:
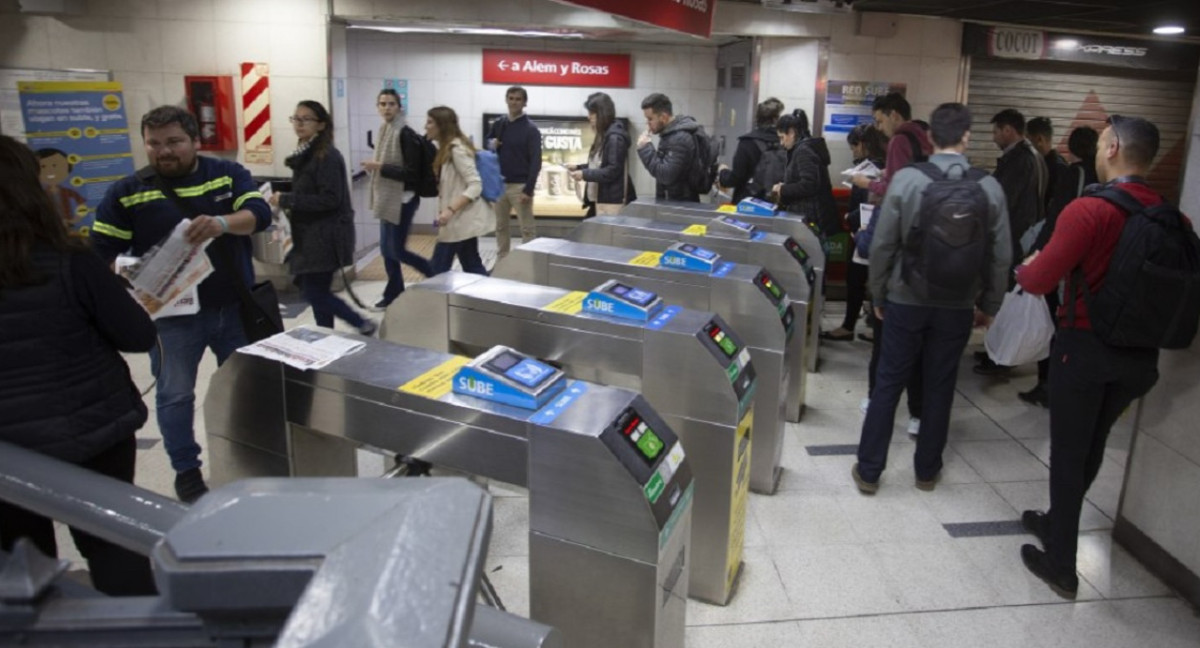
(74, 42)
(299, 50)
(133, 44)
(941, 38)
(844, 38)
(189, 47)
(938, 80)
(907, 41)
(239, 43)
(902, 69)
(195, 10)
(853, 67)
(123, 8)
(376, 59)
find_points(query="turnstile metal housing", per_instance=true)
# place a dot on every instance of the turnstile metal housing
(704, 394)
(732, 293)
(767, 249)
(784, 223)
(608, 528)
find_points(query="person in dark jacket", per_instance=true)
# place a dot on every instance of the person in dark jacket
(1040, 132)
(609, 186)
(518, 143)
(750, 176)
(322, 217)
(65, 390)
(672, 163)
(806, 189)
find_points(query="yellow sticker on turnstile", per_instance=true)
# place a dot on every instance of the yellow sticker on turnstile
(570, 303)
(695, 230)
(436, 382)
(648, 259)
(739, 495)
(728, 208)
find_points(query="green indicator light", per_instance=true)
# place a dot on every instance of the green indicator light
(728, 346)
(654, 488)
(650, 444)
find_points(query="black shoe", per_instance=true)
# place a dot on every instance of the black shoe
(1037, 523)
(865, 487)
(1064, 584)
(866, 338)
(189, 485)
(982, 356)
(989, 368)
(382, 304)
(1036, 396)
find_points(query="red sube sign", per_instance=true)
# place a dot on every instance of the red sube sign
(556, 68)
(689, 16)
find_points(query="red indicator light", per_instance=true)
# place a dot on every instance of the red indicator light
(632, 424)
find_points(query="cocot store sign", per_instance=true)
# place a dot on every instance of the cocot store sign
(689, 16)
(556, 69)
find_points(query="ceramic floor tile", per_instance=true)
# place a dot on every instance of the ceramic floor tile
(1001, 461)
(884, 631)
(509, 576)
(970, 424)
(791, 518)
(1035, 496)
(957, 503)
(835, 580)
(1157, 622)
(761, 635)
(1105, 494)
(933, 576)
(904, 518)
(510, 527)
(759, 595)
(998, 561)
(1021, 421)
(1112, 571)
(991, 628)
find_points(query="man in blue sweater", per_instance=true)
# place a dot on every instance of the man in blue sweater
(518, 144)
(135, 215)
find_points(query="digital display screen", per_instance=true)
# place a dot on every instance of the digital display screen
(697, 251)
(648, 444)
(736, 223)
(797, 251)
(772, 287)
(722, 340)
(529, 372)
(503, 362)
(633, 295)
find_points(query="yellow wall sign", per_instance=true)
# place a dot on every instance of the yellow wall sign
(737, 501)
(570, 303)
(695, 230)
(436, 382)
(648, 259)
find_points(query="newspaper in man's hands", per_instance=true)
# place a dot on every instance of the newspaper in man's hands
(280, 229)
(167, 272)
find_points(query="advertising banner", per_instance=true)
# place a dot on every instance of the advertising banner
(1038, 45)
(80, 134)
(515, 67)
(693, 17)
(848, 103)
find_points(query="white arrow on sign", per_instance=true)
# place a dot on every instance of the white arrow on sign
(503, 65)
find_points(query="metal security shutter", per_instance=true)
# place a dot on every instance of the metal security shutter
(1071, 95)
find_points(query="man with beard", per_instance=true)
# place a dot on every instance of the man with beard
(135, 215)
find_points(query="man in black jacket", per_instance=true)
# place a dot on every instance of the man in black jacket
(1041, 135)
(760, 160)
(1022, 173)
(672, 163)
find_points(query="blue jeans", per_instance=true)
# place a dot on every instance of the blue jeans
(392, 239)
(183, 342)
(937, 336)
(467, 252)
(315, 288)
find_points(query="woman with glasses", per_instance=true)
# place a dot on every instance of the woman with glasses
(463, 216)
(321, 215)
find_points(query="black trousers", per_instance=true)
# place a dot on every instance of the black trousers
(915, 388)
(856, 292)
(115, 571)
(1052, 302)
(1091, 384)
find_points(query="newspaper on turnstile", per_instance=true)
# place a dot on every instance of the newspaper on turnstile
(304, 347)
(164, 279)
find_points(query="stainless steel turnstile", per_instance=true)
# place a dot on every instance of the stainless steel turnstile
(783, 223)
(741, 294)
(781, 255)
(609, 518)
(702, 390)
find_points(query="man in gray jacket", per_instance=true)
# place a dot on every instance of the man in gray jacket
(672, 164)
(926, 291)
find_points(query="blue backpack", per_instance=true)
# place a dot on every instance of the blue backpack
(488, 164)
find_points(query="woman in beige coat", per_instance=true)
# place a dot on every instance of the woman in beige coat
(462, 215)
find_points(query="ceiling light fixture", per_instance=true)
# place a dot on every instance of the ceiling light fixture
(1066, 44)
(1169, 30)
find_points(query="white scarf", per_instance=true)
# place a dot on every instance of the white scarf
(387, 195)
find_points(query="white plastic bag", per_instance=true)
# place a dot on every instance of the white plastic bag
(1022, 330)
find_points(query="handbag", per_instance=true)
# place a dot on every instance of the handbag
(1021, 332)
(259, 304)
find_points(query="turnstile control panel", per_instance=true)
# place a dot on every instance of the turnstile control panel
(733, 355)
(778, 296)
(730, 225)
(693, 258)
(652, 454)
(503, 375)
(617, 299)
(756, 207)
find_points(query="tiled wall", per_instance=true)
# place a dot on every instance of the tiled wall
(149, 45)
(447, 70)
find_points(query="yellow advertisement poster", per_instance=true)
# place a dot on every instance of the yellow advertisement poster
(648, 259)
(570, 303)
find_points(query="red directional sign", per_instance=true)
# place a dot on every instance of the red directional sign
(693, 17)
(556, 69)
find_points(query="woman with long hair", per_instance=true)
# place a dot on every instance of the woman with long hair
(463, 216)
(609, 186)
(322, 216)
(65, 390)
(806, 189)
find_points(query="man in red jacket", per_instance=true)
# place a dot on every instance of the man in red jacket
(1091, 383)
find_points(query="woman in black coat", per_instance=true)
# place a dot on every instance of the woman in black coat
(321, 215)
(609, 186)
(806, 189)
(65, 390)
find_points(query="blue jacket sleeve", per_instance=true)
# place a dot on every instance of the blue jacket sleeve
(112, 231)
(247, 196)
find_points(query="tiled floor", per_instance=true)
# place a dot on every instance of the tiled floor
(828, 567)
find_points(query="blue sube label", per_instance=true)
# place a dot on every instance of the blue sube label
(662, 318)
(755, 207)
(693, 258)
(551, 411)
(742, 225)
(724, 269)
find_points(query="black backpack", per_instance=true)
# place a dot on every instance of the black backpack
(772, 164)
(945, 252)
(918, 153)
(1150, 297)
(426, 185)
(704, 172)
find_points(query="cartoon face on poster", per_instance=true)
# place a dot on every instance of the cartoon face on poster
(80, 134)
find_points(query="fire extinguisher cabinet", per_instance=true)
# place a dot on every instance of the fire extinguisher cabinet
(210, 100)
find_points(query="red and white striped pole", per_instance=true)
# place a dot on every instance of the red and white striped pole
(256, 113)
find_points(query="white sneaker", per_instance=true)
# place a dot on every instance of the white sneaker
(862, 406)
(914, 426)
